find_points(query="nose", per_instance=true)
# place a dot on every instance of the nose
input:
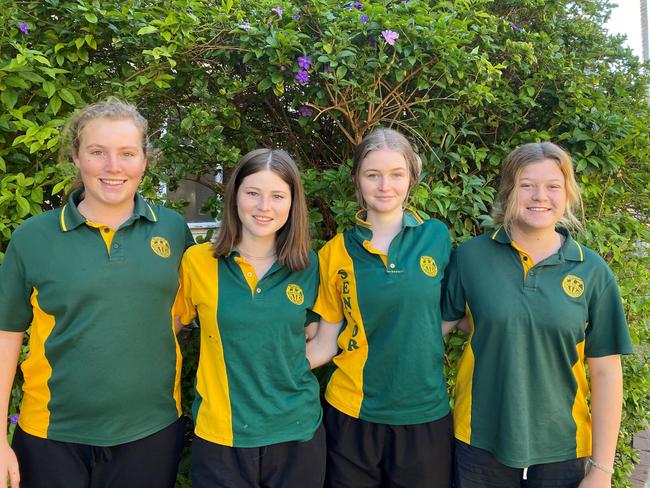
(264, 202)
(383, 182)
(539, 193)
(112, 163)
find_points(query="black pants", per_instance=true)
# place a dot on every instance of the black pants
(149, 462)
(284, 465)
(364, 454)
(478, 468)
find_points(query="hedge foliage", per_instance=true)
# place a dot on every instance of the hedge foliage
(468, 80)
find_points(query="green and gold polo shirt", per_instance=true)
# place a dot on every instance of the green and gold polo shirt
(103, 367)
(389, 368)
(521, 390)
(254, 386)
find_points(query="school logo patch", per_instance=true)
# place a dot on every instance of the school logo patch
(573, 286)
(160, 246)
(295, 294)
(428, 266)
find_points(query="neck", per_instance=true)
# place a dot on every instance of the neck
(111, 216)
(536, 241)
(385, 224)
(257, 247)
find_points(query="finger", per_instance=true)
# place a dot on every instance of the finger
(14, 477)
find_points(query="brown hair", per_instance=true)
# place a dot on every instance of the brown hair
(504, 210)
(111, 108)
(383, 138)
(292, 242)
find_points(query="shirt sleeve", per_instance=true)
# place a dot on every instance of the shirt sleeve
(453, 298)
(189, 238)
(607, 332)
(183, 304)
(15, 290)
(328, 303)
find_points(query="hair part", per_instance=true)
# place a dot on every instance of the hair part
(292, 240)
(505, 209)
(384, 138)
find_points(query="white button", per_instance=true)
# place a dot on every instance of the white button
(259, 290)
(392, 265)
(249, 274)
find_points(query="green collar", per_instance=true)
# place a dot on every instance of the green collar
(71, 218)
(570, 250)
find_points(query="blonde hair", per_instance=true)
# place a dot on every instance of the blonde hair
(383, 138)
(292, 241)
(505, 209)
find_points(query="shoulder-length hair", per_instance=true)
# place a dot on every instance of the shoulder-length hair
(504, 210)
(292, 242)
(384, 138)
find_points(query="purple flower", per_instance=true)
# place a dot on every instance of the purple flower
(358, 5)
(304, 62)
(278, 10)
(246, 26)
(13, 419)
(296, 16)
(515, 27)
(23, 28)
(305, 111)
(390, 36)
(364, 19)
(372, 42)
(302, 77)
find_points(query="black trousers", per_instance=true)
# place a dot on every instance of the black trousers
(478, 468)
(285, 465)
(364, 454)
(148, 462)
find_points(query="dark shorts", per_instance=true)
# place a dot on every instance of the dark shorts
(152, 461)
(364, 454)
(478, 468)
(285, 465)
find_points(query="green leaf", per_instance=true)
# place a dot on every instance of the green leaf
(67, 96)
(264, 85)
(9, 98)
(149, 29)
(49, 88)
(341, 71)
(90, 17)
(55, 104)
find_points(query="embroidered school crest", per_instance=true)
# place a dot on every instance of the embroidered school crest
(295, 294)
(573, 286)
(428, 266)
(160, 246)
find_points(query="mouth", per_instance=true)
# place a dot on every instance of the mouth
(538, 209)
(112, 181)
(261, 219)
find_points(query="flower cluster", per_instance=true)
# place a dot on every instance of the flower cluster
(358, 5)
(278, 10)
(390, 36)
(515, 27)
(13, 420)
(24, 28)
(304, 63)
(305, 111)
(364, 19)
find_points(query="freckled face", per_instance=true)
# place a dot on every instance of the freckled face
(383, 181)
(111, 162)
(263, 204)
(541, 196)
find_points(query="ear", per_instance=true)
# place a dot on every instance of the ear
(75, 157)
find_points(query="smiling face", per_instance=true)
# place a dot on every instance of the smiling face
(111, 162)
(263, 204)
(383, 180)
(541, 196)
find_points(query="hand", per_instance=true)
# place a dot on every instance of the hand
(8, 466)
(596, 478)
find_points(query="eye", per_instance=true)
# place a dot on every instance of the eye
(278, 197)
(372, 176)
(251, 193)
(525, 185)
(96, 152)
(128, 154)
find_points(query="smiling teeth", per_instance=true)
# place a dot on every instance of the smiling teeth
(538, 209)
(113, 182)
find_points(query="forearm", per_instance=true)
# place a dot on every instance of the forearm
(323, 345)
(10, 345)
(606, 405)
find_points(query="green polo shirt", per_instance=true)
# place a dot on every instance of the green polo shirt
(254, 386)
(521, 390)
(103, 364)
(389, 368)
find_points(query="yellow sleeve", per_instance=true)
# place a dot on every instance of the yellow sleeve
(328, 303)
(184, 306)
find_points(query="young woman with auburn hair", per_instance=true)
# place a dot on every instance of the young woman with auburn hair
(540, 306)
(257, 409)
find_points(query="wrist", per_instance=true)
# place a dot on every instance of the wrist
(596, 466)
